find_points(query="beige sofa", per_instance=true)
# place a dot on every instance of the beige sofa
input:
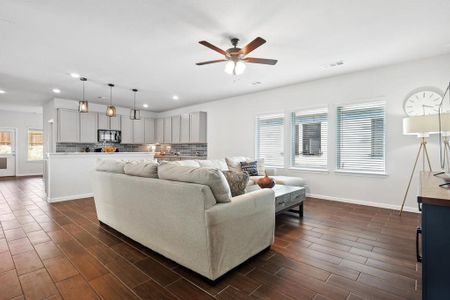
(184, 222)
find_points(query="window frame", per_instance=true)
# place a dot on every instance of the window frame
(292, 114)
(256, 149)
(28, 144)
(354, 171)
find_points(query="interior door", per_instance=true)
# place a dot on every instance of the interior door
(7, 152)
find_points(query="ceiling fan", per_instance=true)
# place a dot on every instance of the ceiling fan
(236, 57)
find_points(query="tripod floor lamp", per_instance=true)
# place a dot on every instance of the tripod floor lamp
(422, 127)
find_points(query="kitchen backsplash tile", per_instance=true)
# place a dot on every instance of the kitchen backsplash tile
(183, 149)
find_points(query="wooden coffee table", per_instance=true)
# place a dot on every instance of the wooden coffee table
(287, 197)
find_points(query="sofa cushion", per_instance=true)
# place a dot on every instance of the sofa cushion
(234, 163)
(237, 182)
(220, 164)
(186, 163)
(249, 167)
(110, 165)
(283, 180)
(142, 168)
(206, 176)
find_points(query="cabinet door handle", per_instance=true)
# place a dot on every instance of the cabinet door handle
(419, 204)
(418, 232)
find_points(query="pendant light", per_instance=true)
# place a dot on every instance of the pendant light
(111, 109)
(135, 114)
(83, 105)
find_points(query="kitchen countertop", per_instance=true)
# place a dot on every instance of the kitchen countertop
(78, 154)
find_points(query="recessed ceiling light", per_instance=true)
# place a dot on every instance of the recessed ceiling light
(2, 92)
(336, 64)
(145, 105)
(75, 75)
(256, 83)
(56, 91)
(175, 97)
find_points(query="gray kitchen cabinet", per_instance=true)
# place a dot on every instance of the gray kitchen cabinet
(127, 130)
(167, 130)
(149, 131)
(138, 131)
(88, 127)
(159, 130)
(197, 130)
(68, 126)
(176, 129)
(184, 128)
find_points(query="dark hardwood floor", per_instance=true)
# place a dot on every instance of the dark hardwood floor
(338, 251)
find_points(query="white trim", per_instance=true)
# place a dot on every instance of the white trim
(309, 170)
(365, 203)
(70, 197)
(363, 173)
(29, 174)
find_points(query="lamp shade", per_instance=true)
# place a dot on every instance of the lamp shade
(426, 125)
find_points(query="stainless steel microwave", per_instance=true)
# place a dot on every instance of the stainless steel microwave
(109, 136)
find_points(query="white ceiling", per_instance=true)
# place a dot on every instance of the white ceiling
(153, 45)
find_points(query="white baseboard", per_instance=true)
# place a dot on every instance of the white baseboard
(28, 174)
(70, 197)
(366, 203)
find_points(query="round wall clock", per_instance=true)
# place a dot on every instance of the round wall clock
(424, 101)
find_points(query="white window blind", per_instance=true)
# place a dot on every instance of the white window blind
(310, 138)
(270, 139)
(361, 137)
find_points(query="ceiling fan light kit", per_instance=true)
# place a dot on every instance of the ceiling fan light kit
(236, 57)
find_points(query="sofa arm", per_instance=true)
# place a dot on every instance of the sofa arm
(241, 206)
(271, 171)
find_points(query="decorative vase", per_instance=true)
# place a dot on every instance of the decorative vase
(266, 182)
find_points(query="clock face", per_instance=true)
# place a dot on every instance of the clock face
(424, 102)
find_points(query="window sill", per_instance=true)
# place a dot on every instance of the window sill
(365, 173)
(312, 170)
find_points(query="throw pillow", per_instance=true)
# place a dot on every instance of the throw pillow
(237, 181)
(206, 176)
(250, 167)
(142, 168)
(234, 164)
(110, 165)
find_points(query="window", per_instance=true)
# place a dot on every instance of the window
(310, 138)
(270, 139)
(5, 142)
(360, 137)
(35, 145)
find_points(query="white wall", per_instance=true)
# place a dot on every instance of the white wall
(231, 126)
(22, 121)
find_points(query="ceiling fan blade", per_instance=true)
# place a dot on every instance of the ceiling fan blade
(265, 61)
(252, 45)
(210, 62)
(211, 46)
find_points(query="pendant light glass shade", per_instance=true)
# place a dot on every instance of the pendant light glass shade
(83, 105)
(135, 114)
(111, 109)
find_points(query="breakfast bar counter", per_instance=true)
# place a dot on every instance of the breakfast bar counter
(67, 175)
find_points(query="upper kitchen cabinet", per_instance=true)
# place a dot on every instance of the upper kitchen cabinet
(176, 129)
(127, 130)
(115, 123)
(167, 130)
(138, 132)
(185, 127)
(149, 131)
(68, 126)
(105, 122)
(159, 130)
(197, 128)
(88, 127)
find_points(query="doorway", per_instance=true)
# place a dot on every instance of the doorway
(7, 152)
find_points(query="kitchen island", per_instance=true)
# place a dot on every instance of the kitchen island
(68, 175)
